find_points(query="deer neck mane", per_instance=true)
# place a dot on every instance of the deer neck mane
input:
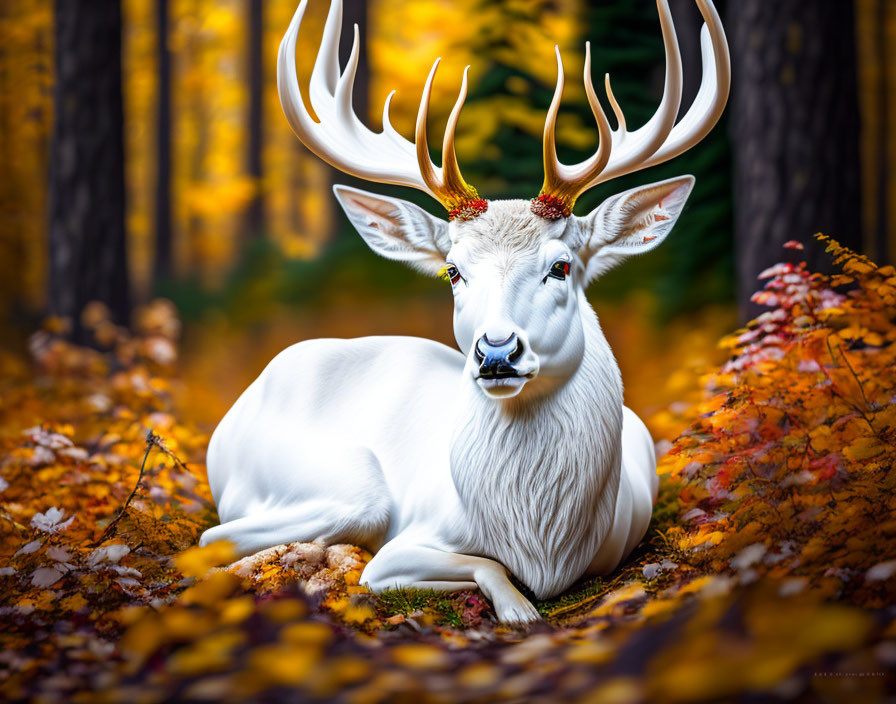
(538, 480)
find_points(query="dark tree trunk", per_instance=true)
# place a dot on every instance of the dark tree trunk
(255, 212)
(880, 236)
(162, 270)
(12, 249)
(86, 191)
(795, 126)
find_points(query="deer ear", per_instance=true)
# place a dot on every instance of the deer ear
(632, 222)
(397, 229)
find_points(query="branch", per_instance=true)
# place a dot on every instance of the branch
(4, 514)
(854, 375)
(152, 440)
(844, 397)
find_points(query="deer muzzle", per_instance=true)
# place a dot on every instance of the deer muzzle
(496, 358)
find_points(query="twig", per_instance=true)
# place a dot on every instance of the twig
(840, 395)
(854, 375)
(159, 443)
(152, 440)
(5, 515)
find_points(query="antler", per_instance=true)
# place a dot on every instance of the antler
(660, 139)
(343, 141)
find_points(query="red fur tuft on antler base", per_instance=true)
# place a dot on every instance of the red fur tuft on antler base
(550, 207)
(468, 210)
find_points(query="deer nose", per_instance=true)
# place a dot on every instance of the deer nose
(496, 358)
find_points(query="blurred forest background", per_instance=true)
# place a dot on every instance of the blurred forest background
(145, 155)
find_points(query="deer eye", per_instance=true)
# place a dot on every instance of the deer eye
(559, 270)
(450, 273)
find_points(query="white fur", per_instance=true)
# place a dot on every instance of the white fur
(392, 442)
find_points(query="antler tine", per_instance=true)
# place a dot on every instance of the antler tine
(644, 142)
(388, 129)
(660, 139)
(447, 183)
(346, 84)
(451, 176)
(617, 111)
(427, 168)
(709, 104)
(553, 182)
(325, 74)
(605, 146)
(343, 141)
(561, 181)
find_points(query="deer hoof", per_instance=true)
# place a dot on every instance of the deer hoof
(516, 609)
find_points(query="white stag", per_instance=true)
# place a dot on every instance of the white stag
(515, 454)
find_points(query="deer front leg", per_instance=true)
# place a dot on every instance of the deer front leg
(399, 565)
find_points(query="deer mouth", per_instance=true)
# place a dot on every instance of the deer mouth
(504, 384)
(502, 372)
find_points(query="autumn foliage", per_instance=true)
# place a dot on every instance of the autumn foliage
(770, 568)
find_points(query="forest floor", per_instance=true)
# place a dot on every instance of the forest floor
(769, 570)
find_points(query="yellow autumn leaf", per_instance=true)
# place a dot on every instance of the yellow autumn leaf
(198, 561)
(864, 448)
(143, 638)
(479, 674)
(213, 589)
(307, 634)
(592, 652)
(420, 656)
(358, 613)
(283, 610)
(209, 654)
(236, 610)
(282, 664)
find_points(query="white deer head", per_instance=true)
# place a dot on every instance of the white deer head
(518, 268)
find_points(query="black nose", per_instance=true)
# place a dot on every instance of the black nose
(496, 358)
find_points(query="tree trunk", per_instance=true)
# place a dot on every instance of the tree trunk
(795, 126)
(880, 236)
(255, 212)
(86, 191)
(12, 281)
(163, 267)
